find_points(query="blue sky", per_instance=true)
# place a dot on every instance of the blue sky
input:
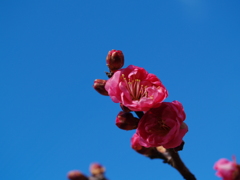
(51, 119)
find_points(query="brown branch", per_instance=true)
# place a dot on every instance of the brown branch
(176, 162)
(153, 153)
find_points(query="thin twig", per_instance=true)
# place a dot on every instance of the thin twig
(178, 164)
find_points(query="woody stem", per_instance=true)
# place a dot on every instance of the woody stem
(178, 164)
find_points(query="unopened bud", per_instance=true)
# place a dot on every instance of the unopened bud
(76, 175)
(99, 86)
(96, 169)
(126, 121)
(115, 60)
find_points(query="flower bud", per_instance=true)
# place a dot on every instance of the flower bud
(126, 121)
(115, 60)
(99, 85)
(96, 169)
(76, 175)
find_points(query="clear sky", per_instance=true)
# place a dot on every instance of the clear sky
(52, 120)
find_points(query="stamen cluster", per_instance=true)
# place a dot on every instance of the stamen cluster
(136, 89)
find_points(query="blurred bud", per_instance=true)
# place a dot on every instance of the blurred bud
(126, 121)
(96, 169)
(124, 108)
(99, 86)
(76, 175)
(115, 60)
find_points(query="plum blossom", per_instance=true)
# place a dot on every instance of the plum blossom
(163, 126)
(136, 89)
(228, 170)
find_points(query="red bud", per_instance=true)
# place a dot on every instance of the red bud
(96, 169)
(99, 86)
(76, 175)
(115, 60)
(126, 121)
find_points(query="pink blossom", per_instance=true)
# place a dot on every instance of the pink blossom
(226, 169)
(136, 89)
(163, 126)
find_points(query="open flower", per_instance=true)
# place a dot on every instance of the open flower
(136, 89)
(228, 170)
(163, 126)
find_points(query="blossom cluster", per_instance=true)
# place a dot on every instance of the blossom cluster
(159, 124)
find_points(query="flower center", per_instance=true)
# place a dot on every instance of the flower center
(163, 128)
(135, 88)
